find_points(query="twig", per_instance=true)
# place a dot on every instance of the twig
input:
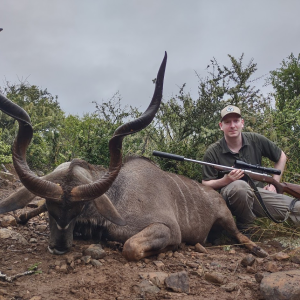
(11, 278)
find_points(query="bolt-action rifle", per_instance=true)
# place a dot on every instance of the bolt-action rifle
(281, 187)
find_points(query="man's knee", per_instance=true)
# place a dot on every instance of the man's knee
(239, 190)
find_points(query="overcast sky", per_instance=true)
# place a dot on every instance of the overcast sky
(84, 51)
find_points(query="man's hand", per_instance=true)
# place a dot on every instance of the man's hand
(271, 188)
(235, 174)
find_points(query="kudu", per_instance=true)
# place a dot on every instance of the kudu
(136, 203)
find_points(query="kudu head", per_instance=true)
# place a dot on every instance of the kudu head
(64, 198)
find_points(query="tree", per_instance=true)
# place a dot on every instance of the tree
(286, 114)
(46, 117)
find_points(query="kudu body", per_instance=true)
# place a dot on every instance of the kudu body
(135, 203)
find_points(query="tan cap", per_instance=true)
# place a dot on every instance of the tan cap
(230, 109)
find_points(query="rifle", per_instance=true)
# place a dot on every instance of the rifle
(281, 187)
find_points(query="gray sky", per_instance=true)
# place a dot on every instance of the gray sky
(86, 51)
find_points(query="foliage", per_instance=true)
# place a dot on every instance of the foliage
(5, 151)
(285, 117)
(46, 117)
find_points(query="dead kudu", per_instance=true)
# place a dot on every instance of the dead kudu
(134, 203)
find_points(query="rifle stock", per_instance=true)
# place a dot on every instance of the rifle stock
(284, 187)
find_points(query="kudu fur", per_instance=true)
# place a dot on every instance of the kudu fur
(134, 203)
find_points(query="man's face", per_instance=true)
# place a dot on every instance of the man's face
(232, 125)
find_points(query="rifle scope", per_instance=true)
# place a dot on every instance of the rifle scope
(242, 165)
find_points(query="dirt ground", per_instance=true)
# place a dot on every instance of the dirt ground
(70, 277)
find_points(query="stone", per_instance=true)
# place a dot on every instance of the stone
(96, 263)
(146, 286)
(64, 268)
(295, 256)
(192, 265)
(161, 256)
(230, 287)
(41, 228)
(95, 251)
(157, 278)
(215, 277)
(284, 285)
(259, 277)
(281, 256)
(86, 259)
(8, 221)
(10, 234)
(36, 298)
(72, 257)
(7, 176)
(271, 267)
(178, 282)
(200, 248)
(178, 255)
(159, 264)
(248, 260)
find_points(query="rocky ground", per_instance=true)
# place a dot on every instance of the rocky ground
(101, 272)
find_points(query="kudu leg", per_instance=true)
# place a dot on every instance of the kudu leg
(152, 240)
(227, 222)
(24, 218)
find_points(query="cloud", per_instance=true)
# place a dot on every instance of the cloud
(85, 51)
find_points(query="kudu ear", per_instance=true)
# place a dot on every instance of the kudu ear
(16, 201)
(108, 211)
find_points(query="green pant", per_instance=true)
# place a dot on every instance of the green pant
(243, 204)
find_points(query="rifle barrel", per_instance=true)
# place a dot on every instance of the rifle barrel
(263, 176)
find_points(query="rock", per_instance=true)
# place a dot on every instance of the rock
(251, 269)
(157, 278)
(36, 298)
(248, 260)
(95, 251)
(7, 176)
(159, 264)
(200, 248)
(64, 268)
(271, 267)
(161, 256)
(281, 286)
(295, 256)
(96, 263)
(215, 277)
(33, 240)
(147, 260)
(41, 228)
(178, 255)
(259, 277)
(8, 221)
(178, 282)
(146, 287)
(86, 259)
(281, 256)
(192, 265)
(3, 183)
(72, 257)
(296, 259)
(10, 234)
(230, 287)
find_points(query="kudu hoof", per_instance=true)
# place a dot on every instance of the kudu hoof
(259, 252)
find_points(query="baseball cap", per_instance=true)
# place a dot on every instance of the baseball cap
(230, 109)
